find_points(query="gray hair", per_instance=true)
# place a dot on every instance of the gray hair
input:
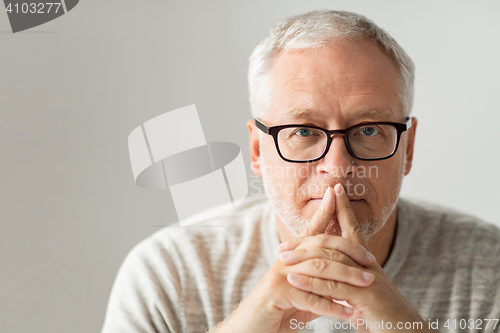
(312, 30)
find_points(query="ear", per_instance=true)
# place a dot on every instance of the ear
(254, 147)
(410, 143)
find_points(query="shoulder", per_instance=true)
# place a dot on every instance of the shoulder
(231, 225)
(445, 227)
(165, 276)
(446, 218)
(209, 239)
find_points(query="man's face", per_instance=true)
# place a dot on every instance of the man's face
(333, 87)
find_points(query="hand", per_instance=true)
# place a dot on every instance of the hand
(275, 302)
(376, 303)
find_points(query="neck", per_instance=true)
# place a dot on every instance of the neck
(380, 244)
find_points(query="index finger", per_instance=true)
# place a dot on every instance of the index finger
(351, 229)
(322, 217)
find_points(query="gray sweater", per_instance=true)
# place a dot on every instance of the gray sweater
(445, 263)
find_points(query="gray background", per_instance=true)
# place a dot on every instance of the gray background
(73, 89)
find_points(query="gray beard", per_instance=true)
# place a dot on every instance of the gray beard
(295, 222)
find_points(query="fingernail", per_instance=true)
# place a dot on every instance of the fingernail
(282, 246)
(284, 255)
(327, 194)
(338, 189)
(348, 310)
(368, 277)
(370, 257)
(293, 276)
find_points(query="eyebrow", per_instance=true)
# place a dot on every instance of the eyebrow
(297, 114)
(305, 113)
(380, 114)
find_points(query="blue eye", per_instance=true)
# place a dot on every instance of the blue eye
(304, 132)
(369, 131)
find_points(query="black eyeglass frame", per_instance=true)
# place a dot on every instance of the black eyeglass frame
(274, 130)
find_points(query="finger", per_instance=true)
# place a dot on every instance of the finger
(293, 243)
(326, 288)
(318, 246)
(299, 255)
(318, 305)
(333, 270)
(322, 217)
(347, 219)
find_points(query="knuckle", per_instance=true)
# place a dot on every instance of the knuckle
(302, 252)
(307, 229)
(305, 238)
(332, 287)
(338, 256)
(337, 288)
(322, 236)
(300, 241)
(334, 255)
(314, 300)
(322, 239)
(321, 265)
(356, 229)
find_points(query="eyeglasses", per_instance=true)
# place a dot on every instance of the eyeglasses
(369, 141)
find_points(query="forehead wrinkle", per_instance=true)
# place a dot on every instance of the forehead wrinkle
(309, 77)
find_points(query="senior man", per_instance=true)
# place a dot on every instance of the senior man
(332, 247)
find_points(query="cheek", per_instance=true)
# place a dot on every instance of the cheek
(388, 177)
(284, 179)
(268, 151)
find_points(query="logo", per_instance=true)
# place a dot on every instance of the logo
(26, 14)
(204, 179)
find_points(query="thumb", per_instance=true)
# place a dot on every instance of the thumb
(322, 217)
(347, 219)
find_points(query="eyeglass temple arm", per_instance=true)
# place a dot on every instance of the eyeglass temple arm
(408, 123)
(261, 126)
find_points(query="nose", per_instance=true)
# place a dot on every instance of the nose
(337, 161)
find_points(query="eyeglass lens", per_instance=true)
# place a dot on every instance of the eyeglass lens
(366, 141)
